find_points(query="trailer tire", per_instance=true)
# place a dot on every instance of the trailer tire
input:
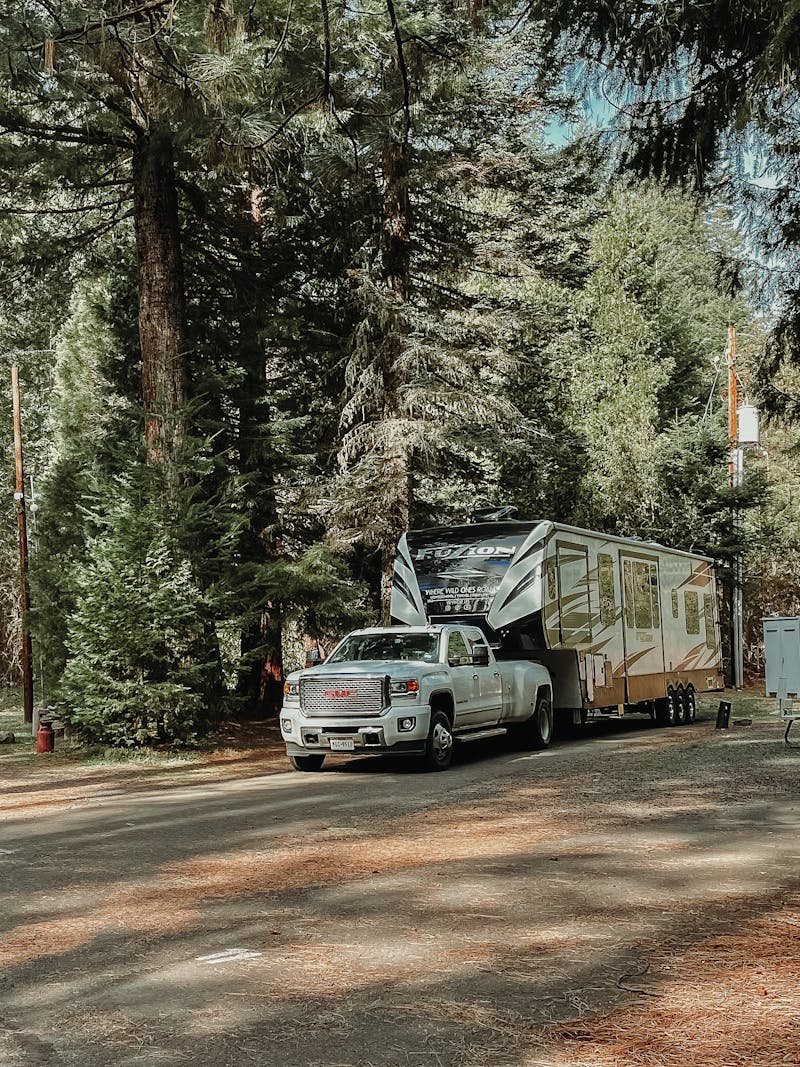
(689, 705)
(680, 706)
(665, 709)
(312, 762)
(537, 731)
(439, 745)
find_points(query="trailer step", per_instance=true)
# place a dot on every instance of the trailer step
(481, 735)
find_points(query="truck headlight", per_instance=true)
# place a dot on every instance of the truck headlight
(410, 686)
(291, 689)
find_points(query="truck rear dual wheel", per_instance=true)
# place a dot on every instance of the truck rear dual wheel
(537, 731)
(439, 745)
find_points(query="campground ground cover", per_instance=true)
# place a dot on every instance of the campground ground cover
(630, 896)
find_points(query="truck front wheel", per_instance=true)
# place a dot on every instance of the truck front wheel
(537, 731)
(307, 763)
(439, 746)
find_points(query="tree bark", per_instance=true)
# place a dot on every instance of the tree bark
(396, 228)
(260, 681)
(162, 298)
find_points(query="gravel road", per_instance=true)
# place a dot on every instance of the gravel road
(373, 916)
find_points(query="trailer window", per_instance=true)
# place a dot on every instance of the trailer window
(642, 602)
(605, 577)
(654, 594)
(675, 603)
(708, 611)
(691, 606)
(629, 620)
(642, 596)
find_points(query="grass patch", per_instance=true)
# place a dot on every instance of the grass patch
(750, 703)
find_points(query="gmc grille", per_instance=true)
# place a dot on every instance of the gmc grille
(343, 696)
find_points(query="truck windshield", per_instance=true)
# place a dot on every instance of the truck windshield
(424, 647)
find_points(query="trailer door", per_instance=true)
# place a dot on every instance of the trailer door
(641, 625)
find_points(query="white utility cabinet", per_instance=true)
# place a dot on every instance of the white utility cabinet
(782, 652)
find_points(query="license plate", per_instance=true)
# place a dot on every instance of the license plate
(343, 744)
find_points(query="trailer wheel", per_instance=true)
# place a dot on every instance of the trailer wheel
(307, 763)
(680, 706)
(665, 709)
(537, 731)
(689, 705)
(439, 746)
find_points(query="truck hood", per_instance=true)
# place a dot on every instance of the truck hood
(398, 670)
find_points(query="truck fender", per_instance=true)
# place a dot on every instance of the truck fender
(442, 700)
(543, 691)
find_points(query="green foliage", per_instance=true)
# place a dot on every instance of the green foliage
(645, 355)
(140, 666)
(400, 304)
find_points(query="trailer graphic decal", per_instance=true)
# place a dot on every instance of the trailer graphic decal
(460, 576)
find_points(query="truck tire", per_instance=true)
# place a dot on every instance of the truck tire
(439, 745)
(307, 763)
(537, 731)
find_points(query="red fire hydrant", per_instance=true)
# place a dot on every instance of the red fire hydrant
(45, 738)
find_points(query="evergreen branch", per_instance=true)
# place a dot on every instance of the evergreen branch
(106, 102)
(10, 123)
(86, 237)
(182, 73)
(282, 38)
(64, 210)
(431, 47)
(110, 20)
(526, 10)
(52, 12)
(278, 129)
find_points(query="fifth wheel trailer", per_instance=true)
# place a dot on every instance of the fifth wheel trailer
(621, 624)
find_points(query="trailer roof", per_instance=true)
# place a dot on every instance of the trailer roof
(509, 525)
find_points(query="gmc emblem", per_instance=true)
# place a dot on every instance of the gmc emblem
(338, 694)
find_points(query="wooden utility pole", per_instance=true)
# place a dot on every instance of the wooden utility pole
(735, 473)
(733, 406)
(19, 498)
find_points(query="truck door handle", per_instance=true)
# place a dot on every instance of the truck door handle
(496, 674)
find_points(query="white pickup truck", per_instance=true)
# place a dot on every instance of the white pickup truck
(412, 690)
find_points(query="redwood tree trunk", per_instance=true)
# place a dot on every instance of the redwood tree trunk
(260, 680)
(395, 250)
(162, 298)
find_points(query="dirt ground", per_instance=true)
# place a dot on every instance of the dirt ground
(629, 897)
